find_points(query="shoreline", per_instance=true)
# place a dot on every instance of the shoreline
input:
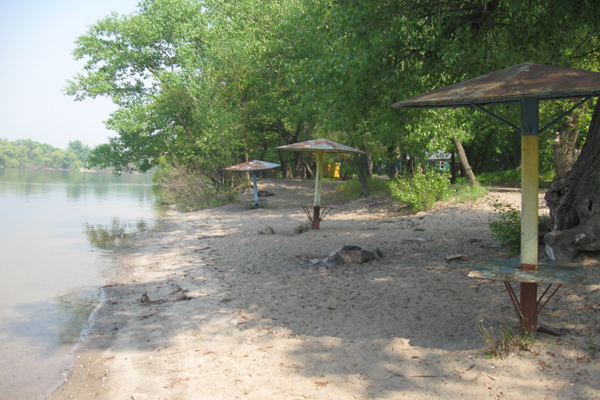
(69, 362)
(209, 308)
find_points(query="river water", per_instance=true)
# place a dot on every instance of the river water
(60, 235)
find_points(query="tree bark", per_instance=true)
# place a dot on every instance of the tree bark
(564, 144)
(465, 163)
(453, 169)
(308, 169)
(363, 173)
(392, 160)
(368, 162)
(574, 202)
(284, 167)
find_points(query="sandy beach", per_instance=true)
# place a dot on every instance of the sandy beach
(209, 308)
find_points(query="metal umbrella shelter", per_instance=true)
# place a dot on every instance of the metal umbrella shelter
(253, 166)
(527, 84)
(319, 146)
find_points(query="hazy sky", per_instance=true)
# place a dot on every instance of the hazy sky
(36, 41)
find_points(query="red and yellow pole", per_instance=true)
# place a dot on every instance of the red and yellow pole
(529, 211)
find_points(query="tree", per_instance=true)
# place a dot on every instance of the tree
(379, 53)
(206, 84)
(81, 151)
(574, 202)
(465, 162)
(565, 141)
(152, 65)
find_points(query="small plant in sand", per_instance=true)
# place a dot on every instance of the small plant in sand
(506, 343)
(303, 227)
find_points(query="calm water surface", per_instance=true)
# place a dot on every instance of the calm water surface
(60, 233)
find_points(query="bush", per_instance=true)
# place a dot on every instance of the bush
(189, 190)
(506, 226)
(421, 191)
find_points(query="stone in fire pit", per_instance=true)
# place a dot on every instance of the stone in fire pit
(350, 254)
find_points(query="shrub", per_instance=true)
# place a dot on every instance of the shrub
(506, 226)
(190, 190)
(421, 191)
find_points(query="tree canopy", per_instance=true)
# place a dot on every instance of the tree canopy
(210, 83)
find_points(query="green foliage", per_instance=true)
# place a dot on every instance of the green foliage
(420, 191)
(465, 193)
(512, 177)
(303, 227)
(506, 226)
(506, 343)
(491, 178)
(209, 83)
(31, 154)
(350, 190)
(189, 189)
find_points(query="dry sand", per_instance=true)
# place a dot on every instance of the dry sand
(210, 309)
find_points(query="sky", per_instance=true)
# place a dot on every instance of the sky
(36, 41)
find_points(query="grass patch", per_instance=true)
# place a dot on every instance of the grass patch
(464, 193)
(350, 190)
(499, 177)
(419, 192)
(502, 345)
(512, 177)
(303, 227)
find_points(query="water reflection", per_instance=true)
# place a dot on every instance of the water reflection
(62, 231)
(77, 185)
(115, 236)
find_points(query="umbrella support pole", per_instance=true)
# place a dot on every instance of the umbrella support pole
(316, 219)
(316, 215)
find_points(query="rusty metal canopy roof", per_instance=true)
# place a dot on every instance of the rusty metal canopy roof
(320, 144)
(254, 165)
(509, 85)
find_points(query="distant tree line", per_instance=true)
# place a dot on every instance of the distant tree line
(27, 153)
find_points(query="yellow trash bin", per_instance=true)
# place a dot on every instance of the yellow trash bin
(331, 170)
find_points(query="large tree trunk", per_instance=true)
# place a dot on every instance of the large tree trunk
(392, 160)
(574, 202)
(368, 161)
(452, 169)
(363, 171)
(286, 174)
(408, 164)
(564, 143)
(465, 163)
